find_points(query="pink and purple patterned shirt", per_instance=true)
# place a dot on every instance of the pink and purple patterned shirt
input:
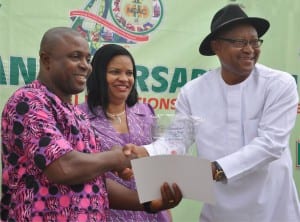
(38, 128)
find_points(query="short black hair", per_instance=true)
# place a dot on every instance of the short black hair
(97, 88)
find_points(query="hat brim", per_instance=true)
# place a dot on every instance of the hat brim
(261, 26)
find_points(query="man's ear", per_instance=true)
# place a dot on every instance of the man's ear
(214, 44)
(45, 60)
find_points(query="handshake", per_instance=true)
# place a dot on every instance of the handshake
(122, 167)
(170, 196)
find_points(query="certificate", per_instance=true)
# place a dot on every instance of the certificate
(192, 174)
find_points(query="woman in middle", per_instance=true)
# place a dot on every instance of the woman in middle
(117, 117)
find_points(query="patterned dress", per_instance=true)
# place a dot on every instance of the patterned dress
(140, 119)
(38, 128)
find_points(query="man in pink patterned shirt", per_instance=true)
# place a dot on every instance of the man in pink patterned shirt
(53, 166)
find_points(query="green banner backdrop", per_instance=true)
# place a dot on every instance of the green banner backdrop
(163, 36)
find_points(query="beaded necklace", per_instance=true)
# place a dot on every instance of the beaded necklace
(116, 117)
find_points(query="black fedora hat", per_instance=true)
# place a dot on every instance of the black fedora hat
(229, 15)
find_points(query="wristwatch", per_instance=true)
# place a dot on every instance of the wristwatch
(219, 174)
(147, 207)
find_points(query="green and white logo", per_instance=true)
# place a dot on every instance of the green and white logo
(117, 21)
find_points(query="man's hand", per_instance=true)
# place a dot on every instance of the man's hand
(135, 151)
(169, 199)
(130, 151)
(122, 159)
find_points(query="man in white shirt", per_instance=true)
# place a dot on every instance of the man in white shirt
(249, 111)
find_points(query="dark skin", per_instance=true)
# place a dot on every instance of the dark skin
(64, 68)
(236, 63)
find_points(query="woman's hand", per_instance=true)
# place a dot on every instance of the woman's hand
(169, 199)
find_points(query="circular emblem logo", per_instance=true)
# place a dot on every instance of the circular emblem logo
(137, 16)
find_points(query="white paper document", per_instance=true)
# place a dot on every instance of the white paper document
(191, 174)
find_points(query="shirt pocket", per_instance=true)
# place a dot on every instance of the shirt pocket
(250, 130)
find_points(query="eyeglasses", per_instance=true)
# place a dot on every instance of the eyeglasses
(241, 43)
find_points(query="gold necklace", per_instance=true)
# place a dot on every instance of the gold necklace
(116, 117)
